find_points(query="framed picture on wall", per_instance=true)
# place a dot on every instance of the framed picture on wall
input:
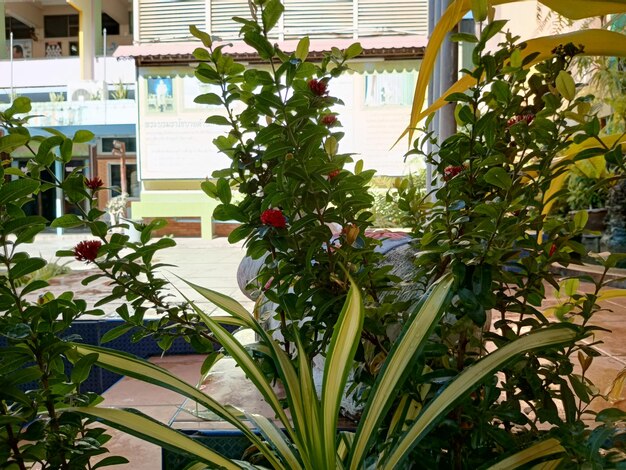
(53, 49)
(22, 48)
(160, 95)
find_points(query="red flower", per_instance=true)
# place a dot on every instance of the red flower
(94, 183)
(528, 118)
(552, 250)
(451, 171)
(329, 119)
(87, 250)
(318, 87)
(333, 174)
(273, 218)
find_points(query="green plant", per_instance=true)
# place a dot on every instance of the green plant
(584, 193)
(120, 92)
(489, 227)
(287, 166)
(37, 386)
(311, 439)
(56, 97)
(389, 208)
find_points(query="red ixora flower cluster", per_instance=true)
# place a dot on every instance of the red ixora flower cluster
(333, 174)
(528, 118)
(94, 183)
(451, 171)
(318, 87)
(273, 218)
(87, 250)
(328, 119)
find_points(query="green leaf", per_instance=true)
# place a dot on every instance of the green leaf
(204, 37)
(10, 142)
(275, 436)
(150, 430)
(464, 37)
(111, 460)
(480, 9)
(353, 50)
(208, 98)
(145, 371)
(302, 49)
(66, 150)
(82, 136)
(523, 457)
(223, 191)
(498, 177)
(228, 212)
(239, 234)
(67, 221)
(33, 286)
(565, 85)
(414, 333)
(469, 379)
(44, 154)
(272, 11)
(201, 54)
(26, 266)
(81, 369)
(115, 333)
(343, 345)
(580, 219)
(218, 120)
(21, 105)
(209, 188)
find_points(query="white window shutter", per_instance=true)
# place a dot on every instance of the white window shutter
(169, 20)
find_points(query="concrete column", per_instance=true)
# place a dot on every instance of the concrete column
(87, 33)
(3, 41)
(97, 24)
(449, 56)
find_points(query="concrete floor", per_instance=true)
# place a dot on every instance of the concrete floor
(213, 264)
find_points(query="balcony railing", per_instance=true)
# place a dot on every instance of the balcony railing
(61, 71)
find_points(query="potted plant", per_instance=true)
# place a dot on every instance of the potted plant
(588, 194)
(445, 389)
(475, 240)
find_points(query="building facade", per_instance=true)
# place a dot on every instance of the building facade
(175, 146)
(57, 53)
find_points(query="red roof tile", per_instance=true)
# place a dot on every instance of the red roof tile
(399, 47)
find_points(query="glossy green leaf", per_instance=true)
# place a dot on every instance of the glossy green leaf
(498, 177)
(469, 379)
(422, 321)
(204, 37)
(10, 142)
(150, 373)
(26, 266)
(67, 221)
(17, 189)
(272, 11)
(565, 85)
(157, 433)
(302, 49)
(277, 439)
(208, 98)
(81, 136)
(523, 457)
(343, 345)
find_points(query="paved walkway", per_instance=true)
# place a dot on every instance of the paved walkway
(213, 264)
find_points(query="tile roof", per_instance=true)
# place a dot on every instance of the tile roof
(386, 47)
